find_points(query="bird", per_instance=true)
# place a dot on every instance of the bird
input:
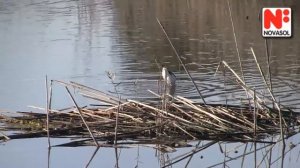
(170, 80)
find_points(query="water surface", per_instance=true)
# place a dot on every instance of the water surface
(79, 40)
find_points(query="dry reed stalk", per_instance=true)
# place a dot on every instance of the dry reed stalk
(81, 115)
(48, 157)
(255, 155)
(270, 157)
(224, 83)
(264, 78)
(90, 92)
(188, 162)
(188, 154)
(240, 80)
(179, 59)
(71, 112)
(254, 131)
(161, 111)
(138, 120)
(114, 107)
(218, 126)
(235, 40)
(188, 4)
(109, 103)
(234, 158)
(157, 115)
(243, 84)
(237, 50)
(254, 115)
(5, 136)
(91, 159)
(268, 63)
(220, 120)
(47, 111)
(155, 94)
(236, 118)
(200, 116)
(51, 93)
(185, 113)
(186, 100)
(43, 109)
(242, 118)
(199, 109)
(90, 113)
(280, 157)
(243, 158)
(185, 131)
(225, 156)
(117, 157)
(201, 128)
(283, 140)
(101, 98)
(117, 123)
(268, 88)
(164, 95)
(265, 155)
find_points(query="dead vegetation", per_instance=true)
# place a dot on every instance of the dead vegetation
(150, 123)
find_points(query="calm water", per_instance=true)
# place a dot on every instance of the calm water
(79, 40)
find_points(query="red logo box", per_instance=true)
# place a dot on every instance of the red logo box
(276, 22)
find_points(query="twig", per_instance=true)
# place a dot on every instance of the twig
(78, 109)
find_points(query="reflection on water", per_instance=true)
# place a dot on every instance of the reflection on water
(34, 153)
(79, 40)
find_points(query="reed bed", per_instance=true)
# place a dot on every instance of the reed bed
(165, 124)
(149, 123)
